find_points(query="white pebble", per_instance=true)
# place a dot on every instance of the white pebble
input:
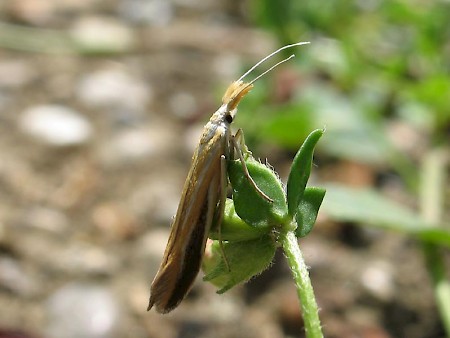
(56, 125)
(98, 34)
(377, 278)
(112, 88)
(156, 12)
(82, 310)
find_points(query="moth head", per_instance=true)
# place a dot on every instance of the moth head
(233, 95)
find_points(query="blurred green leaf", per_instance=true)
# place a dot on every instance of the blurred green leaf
(287, 126)
(397, 44)
(352, 134)
(433, 92)
(366, 206)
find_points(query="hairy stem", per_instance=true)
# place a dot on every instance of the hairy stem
(305, 290)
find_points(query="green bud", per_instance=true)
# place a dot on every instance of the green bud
(233, 228)
(246, 259)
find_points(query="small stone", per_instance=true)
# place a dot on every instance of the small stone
(85, 258)
(102, 35)
(82, 310)
(56, 125)
(156, 12)
(136, 144)
(113, 88)
(14, 278)
(133, 144)
(377, 278)
(50, 220)
(15, 74)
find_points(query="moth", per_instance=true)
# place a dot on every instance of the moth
(203, 198)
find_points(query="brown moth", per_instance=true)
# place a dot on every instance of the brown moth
(203, 199)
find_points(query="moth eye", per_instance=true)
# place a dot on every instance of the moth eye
(229, 118)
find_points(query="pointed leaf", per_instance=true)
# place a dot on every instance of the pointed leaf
(300, 171)
(308, 209)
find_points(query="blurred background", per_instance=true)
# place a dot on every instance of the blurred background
(102, 104)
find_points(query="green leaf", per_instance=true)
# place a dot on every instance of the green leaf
(251, 207)
(234, 228)
(246, 259)
(300, 171)
(308, 209)
(370, 207)
(286, 126)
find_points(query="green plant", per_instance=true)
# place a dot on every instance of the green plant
(371, 67)
(254, 227)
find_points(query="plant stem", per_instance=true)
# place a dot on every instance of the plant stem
(305, 291)
(432, 206)
(28, 39)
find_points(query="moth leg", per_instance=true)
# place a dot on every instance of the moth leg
(221, 206)
(239, 136)
(239, 152)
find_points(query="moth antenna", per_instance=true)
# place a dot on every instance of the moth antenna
(268, 57)
(270, 69)
(249, 84)
(233, 98)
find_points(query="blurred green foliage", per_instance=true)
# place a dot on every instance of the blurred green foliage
(369, 61)
(371, 65)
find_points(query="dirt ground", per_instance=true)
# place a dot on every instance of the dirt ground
(85, 212)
